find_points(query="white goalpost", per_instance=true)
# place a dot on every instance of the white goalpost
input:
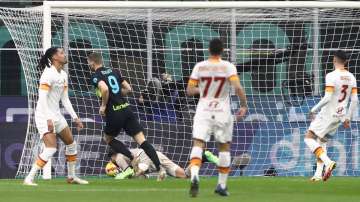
(282, 51)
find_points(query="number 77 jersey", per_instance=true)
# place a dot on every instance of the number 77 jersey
(213, 112)
(342, 84)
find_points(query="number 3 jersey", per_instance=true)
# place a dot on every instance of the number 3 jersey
(342, 84)
(113, 80)
(213, 79)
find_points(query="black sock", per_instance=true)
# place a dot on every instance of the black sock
(119, 147)
(204, 158)
(150, 151)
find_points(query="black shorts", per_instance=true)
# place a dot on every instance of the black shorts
(122, 119)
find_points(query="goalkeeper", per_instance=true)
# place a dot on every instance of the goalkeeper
(143, 164)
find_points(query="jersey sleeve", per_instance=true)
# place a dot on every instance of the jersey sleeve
(354, 89)
(232, 73)
(95, 79)
(118, 73)
(46, 80)
(194, 77)
(329, 83)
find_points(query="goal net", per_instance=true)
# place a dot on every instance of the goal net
(281, 54)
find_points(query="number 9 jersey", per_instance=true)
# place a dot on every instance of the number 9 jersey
(213, 112)
(113, 80)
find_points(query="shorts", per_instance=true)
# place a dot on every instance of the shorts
(322, 126)
(42, 127)
(219, 125)
(122, 119)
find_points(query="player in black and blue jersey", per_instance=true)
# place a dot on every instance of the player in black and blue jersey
(112, 88)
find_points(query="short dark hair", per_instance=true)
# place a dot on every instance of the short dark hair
(341, 55)
(216, 46)
(95, 57)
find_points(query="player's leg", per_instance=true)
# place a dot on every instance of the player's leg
(114, 123)
(148, 149)
(201, 131)
(70, 154)
(223, 135)
(311, 141)
(207, 156)
(49, 140)
(124, 164)
(117, 146)
(133, 128)
(224, 168)
(319, 163)
(195, 164)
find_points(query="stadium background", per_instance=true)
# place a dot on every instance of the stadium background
(13, 103)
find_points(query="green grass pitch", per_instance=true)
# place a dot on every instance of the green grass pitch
(242, 189)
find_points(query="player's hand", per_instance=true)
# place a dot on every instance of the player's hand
(141, 99)
(102, 110)
(311, 116)
(241, 113)
(50, 125)
(346, 123)
(79, 124)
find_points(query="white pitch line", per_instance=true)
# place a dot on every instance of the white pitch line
(31, 189)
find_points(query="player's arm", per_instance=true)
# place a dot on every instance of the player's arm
(329, 90)
(328, 93)
(43, 97)
(104, 91)
(353, 105)
(192, 88)
(125, 88)
(240, 92)
(69, 108)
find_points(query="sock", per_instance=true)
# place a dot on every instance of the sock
(151, 153)
(317, 150)
(224, 168)
(319, 162)
(42, 159)
(119, 147)
(319, 168)
(187, 171)
(195, 162)
(70, 153)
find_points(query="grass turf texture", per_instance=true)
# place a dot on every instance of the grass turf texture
(247, 189)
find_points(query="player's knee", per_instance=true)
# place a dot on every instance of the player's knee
(196, 152)
(198, 143)
(71, 149)
(224, 147)
(108, 139)
(139, 138)
(310, 134)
